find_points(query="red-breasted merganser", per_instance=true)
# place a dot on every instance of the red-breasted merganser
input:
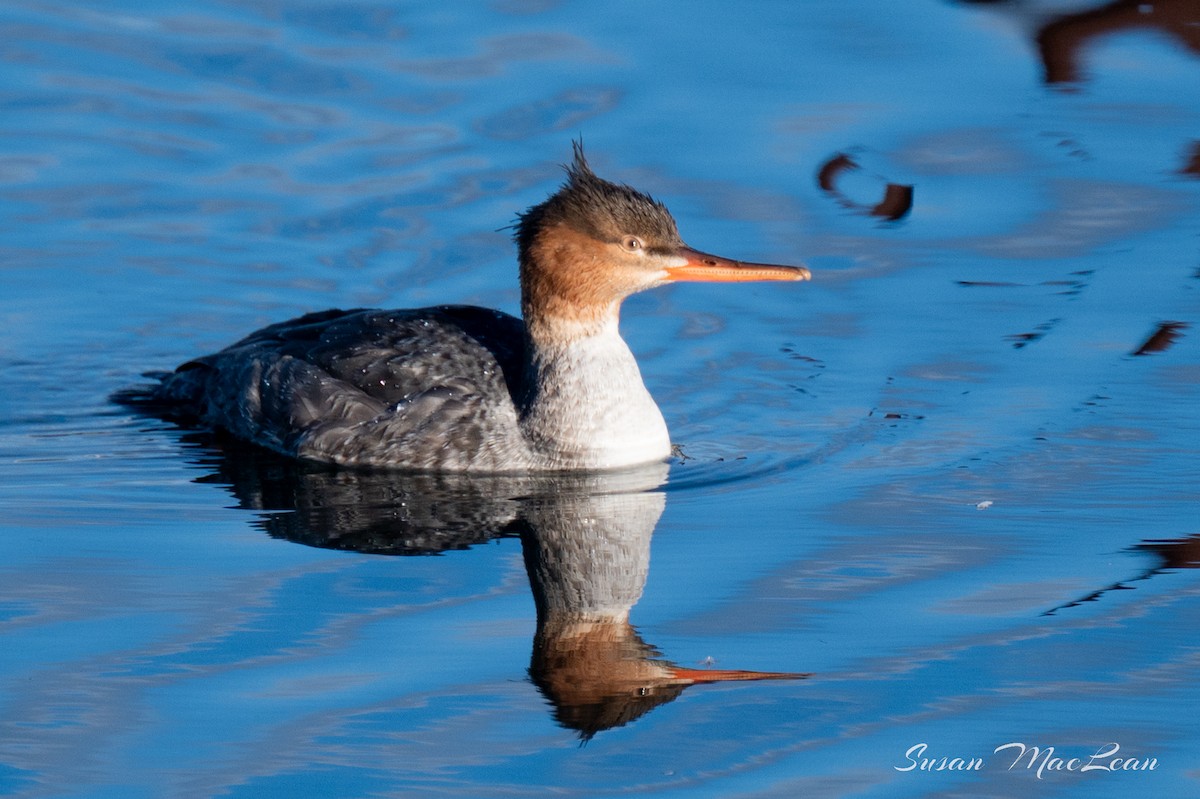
(460, 388)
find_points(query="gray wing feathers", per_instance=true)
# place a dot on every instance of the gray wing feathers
(419, 389)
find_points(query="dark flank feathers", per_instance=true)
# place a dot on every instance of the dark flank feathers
(314, 386)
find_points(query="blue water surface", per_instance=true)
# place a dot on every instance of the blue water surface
(953, 481)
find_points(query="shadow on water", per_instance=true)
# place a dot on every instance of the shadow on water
(585, 540)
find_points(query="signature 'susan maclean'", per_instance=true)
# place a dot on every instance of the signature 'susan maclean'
(1040, 759)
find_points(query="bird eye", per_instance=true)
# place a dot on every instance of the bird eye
(632, 243)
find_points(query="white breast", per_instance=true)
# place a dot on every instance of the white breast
(591, 409)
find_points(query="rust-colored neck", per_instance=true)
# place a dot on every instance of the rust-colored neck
(568, 288)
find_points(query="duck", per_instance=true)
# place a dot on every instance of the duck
(458, 388)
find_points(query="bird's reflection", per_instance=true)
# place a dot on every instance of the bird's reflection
(586, 544)
(588, 555)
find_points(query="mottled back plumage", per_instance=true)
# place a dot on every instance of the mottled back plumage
(368, 387)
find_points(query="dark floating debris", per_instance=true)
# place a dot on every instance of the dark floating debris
(995, 284)
(1171, 554)
(897, 202)
(1020, 340)
(1176, 553)
(1162, 339)
(892, 416)
(1192, 167)
(1074, 284)
(897, 198)
(827, 176)
(1063, 40)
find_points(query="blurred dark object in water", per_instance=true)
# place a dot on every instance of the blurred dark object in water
(1162, 339)
(1062, 38)
(1171, 554)
(1022, 340)
(1062, 41)
(1175, 553)
(1192, 167)
(897, 198)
